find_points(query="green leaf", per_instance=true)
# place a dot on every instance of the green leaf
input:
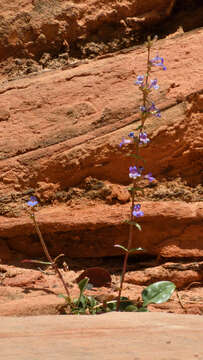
(130, 188)
(142, 309)
(121, 247)
(135, 249)
(136, 156)
(82, 286)
(138, 226)
(158, 292)
(139, 127)
(65, 297)
(92, 301)
(83, 302)
(131, 308)
(125, 302)
(134, 223)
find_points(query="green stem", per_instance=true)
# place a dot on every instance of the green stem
(130, 238)
(49, 258)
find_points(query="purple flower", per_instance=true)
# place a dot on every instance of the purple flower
(124, 142)
(137, 212)
(154, 84)
(134, 172)
(140, 80)
(149, 177)
(143, 109)
(158, 61)
(143, 138)
(33, 201)
(154, 110)
(131, 135)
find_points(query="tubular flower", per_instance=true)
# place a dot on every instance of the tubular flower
(125, 142)
(149, 177)
(140, 80)
(158, 61)
(154, 84)
(33, 201)
(154, 110)
(131, 134)
(143, 138)
(137, 212)
(134, 172)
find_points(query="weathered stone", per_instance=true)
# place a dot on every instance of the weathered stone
(113, 336)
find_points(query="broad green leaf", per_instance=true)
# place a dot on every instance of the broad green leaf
(121, 247)
(158, 292)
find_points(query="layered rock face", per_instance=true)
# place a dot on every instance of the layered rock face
(32, 28)
(60, 131)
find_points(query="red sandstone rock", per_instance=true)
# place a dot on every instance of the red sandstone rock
(41, 27)
(168, 229)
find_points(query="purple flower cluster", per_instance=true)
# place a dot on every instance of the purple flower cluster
(32, 202)
(137, 212)
(140, 82)
(152, 109)
(143, 138)
(135, 172)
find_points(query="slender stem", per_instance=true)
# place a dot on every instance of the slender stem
(130, 238)
(53, 263)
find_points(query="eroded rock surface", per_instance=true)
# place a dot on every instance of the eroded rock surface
(60, 131)
(60, 136)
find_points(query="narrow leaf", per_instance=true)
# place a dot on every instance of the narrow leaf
(121, 247)
(135, 224)
(139, 127)
(36, 261)
(135, 249)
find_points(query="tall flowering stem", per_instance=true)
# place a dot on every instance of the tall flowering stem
(148, 108)
(32, 203)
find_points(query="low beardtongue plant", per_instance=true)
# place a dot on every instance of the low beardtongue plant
(155, 293)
